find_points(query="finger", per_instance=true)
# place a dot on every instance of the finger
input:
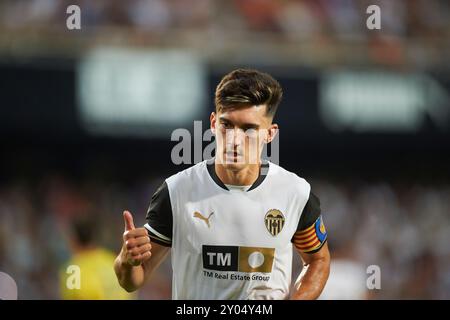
(135, 233)
(128, 219)
(136, 242)
(139, 259)
(145, 247)
(142, 257)
(145, 256)
(136, 251)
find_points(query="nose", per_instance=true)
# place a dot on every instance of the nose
(234, 138)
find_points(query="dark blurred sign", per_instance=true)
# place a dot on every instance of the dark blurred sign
(124, 92)
(366, 101)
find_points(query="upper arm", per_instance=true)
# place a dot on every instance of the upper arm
(311, 235)
(159, 228)
(159, 217)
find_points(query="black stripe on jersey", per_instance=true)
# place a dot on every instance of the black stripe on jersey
(159, 215)
(262, 174)
(311, 212)
(212, 173)
(153, 238)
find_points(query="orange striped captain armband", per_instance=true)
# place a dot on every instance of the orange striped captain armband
(312, 238)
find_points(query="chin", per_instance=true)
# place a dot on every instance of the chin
(234, 166)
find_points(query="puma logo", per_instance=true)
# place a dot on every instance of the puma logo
(201, 217)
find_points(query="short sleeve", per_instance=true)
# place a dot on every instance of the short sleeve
(311, 233)
(159, 217)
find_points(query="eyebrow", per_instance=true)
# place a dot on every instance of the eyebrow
(248, 125)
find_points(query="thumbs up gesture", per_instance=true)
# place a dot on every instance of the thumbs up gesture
(136, 242)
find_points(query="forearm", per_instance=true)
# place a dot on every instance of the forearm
(313, 281)
(130, 277)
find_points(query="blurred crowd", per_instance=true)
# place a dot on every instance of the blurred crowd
(36, 238)
(402, 229)
(312, 32)
(294, 18)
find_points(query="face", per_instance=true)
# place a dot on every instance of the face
(241, 135)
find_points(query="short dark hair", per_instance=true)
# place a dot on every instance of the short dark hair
(248, 87)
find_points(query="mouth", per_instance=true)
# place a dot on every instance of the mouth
(233, 154)
(233, 157)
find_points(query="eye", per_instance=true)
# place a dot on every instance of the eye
(226, 125)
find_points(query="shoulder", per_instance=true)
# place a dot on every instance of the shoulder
(290, 180)
(187, 175)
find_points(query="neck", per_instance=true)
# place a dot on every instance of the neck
(243, 177)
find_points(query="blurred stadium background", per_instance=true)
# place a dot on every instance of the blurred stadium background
(86, 118)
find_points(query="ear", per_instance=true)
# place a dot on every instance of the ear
(212, 120)
(272, 132)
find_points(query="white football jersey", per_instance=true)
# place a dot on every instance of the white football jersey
(233, 244)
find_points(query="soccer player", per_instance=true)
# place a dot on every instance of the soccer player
(96, 277)
(231, 222)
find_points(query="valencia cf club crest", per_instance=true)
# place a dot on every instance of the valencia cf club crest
(274, 221)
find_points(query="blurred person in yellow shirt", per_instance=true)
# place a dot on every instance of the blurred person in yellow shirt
(88, 275)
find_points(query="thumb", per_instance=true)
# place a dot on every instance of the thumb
(128, 218)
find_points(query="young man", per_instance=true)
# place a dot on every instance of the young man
(231, 221)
